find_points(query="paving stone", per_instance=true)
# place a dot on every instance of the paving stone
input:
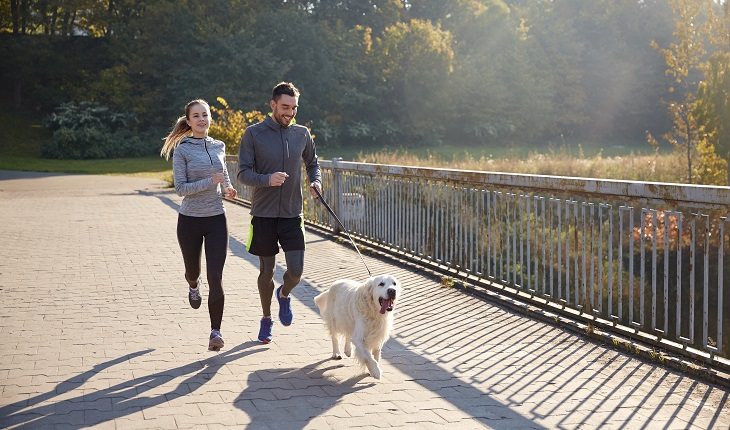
(92, 281)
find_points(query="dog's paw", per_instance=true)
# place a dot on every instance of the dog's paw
(336, 357)
(374, 369)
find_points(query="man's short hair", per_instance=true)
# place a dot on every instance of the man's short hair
(284, 88)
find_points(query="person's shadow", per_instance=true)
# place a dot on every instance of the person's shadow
(291, 397)
(119, 400)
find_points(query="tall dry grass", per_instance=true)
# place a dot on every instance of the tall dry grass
(652, 168)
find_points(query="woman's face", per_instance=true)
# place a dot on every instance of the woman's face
(199, 119)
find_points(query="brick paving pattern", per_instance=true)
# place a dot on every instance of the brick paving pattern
(97, 332)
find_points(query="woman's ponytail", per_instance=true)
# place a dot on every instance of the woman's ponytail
(178, 132)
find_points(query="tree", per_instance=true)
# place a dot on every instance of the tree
(684, 59)
(229, 124)
(712, 108)
(495, 91)
(552, 63)
(414, 61)
(65, 17)
(387, 72)
(374, 14)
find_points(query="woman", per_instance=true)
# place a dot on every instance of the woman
(199, 171)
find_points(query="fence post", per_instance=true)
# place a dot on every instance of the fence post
(337, 189)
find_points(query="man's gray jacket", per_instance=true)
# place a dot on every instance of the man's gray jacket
(266, 148)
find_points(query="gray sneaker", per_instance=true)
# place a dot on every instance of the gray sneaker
(216, 341)
(194, 297)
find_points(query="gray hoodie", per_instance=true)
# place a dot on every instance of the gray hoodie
(193, 162)
(266, 148)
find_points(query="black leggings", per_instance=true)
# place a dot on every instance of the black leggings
(294, 269)
(191, 232)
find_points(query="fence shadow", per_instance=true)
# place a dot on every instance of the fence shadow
(491, 362)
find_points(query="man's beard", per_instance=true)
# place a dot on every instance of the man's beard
(282, 122)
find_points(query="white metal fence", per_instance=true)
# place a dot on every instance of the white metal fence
(643, 259)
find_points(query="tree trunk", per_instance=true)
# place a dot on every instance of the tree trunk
(109, 18)
(53, 20)
(68, 23)
(23, 7)
(15, 13)
(689, 149)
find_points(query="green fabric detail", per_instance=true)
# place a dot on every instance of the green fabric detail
(250, 237)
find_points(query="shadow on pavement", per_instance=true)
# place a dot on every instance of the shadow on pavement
(485, 408)
(119, 400)
(291, 397)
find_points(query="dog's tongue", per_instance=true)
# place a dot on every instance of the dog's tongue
(385, 304)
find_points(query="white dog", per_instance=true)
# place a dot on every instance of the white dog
(362, 313)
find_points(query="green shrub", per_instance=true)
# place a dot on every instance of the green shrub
(229, 124)
(90, 131)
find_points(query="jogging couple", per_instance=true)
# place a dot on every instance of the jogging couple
(270, 158)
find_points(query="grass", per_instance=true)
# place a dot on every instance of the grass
(631, 161)
(461, 152)
(657, 167)
(20, 150)
(563, 162)
(154, 167)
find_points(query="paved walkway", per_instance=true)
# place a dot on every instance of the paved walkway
(97, 333)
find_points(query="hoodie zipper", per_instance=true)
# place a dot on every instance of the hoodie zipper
(205, 143)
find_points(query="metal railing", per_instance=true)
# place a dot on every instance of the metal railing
(643, 259)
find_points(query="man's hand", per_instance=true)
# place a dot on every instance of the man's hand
(312, 187)
(231, 193)
(277, 179)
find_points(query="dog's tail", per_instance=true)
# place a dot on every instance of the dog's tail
(321, 302)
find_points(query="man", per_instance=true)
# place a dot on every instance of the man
(270, 159)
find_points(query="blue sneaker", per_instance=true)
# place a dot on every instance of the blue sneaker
(216, 341)
(265, 330)
(285, 314)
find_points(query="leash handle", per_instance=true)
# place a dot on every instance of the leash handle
(329, 209)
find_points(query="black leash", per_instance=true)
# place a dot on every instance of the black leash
(329, 209)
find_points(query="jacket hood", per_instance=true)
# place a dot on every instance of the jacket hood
(196, 140)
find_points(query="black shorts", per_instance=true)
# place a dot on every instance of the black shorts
(265, 235)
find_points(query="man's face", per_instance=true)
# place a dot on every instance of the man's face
(284, 109)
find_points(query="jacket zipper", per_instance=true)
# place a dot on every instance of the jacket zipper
(205, 143)
(283, 166)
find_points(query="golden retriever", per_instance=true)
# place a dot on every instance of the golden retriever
(362, 313)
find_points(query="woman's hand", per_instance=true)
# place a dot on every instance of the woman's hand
(217, 178)
(231, 192)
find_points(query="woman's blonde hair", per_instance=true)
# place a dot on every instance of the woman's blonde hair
(180, 130)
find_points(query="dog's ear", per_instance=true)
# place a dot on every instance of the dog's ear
(364, 293)
(371, 284)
